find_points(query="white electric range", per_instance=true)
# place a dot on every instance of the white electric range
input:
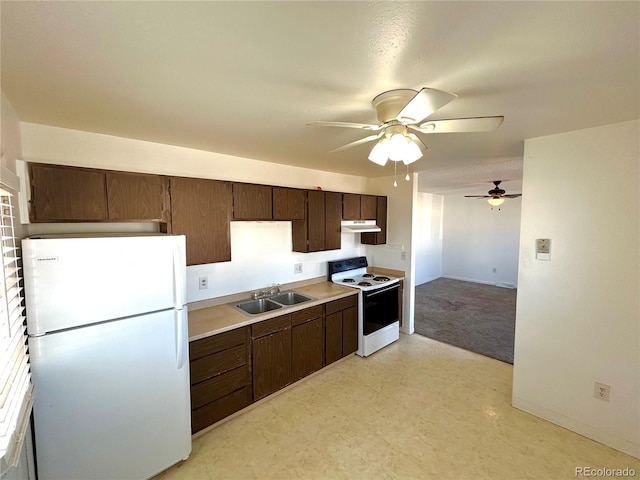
(378, 303)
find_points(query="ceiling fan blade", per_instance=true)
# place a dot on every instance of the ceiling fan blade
(362, 126)
(513, 195)
(428, 128)
(370, 138)
(460, 125)
(478, 196)
(426, 101)
(418, 142)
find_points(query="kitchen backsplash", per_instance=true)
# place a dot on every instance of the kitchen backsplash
(261, 256)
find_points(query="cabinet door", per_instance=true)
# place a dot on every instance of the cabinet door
(252, 202)
(307, 348)
(288, 203)
(136, 196)
(368, 207)
(332, 216)
(201, 210)
(333, 337)
(349, 331)
(315, 220)
(271, 363)
(67, 194)
(379, 238)
(350, 206)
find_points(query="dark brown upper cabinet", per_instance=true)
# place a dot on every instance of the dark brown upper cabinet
(137, 196)
(350, 206)
(201, 210)
(288, 203)
(308, 234)
(358, 207)
(252, 202)
(67, 194)
(368, 207)
(320, 229)
(379, 238)
(332, 218)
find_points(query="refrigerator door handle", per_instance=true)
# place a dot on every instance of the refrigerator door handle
(181, 336)
(178, 277)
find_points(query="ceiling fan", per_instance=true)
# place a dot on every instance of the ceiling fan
(496, 195)
(402, 112)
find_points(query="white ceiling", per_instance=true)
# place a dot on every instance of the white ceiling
(244, 78)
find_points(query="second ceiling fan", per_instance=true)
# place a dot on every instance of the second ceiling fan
(402, 112)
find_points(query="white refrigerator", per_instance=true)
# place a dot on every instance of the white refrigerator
(108, 344)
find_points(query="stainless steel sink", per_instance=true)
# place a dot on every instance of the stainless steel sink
(290, 298)
(254, 307)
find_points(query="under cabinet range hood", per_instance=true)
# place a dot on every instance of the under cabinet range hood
(359, 226)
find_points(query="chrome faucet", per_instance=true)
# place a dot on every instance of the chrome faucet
(268, 292)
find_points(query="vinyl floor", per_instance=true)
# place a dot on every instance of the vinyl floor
(417, 409)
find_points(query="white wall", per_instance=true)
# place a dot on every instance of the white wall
(578, 315)
(428, 237)
(478, 239)
(400, 218)
(261, 252)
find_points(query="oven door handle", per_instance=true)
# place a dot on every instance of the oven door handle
(378, 292)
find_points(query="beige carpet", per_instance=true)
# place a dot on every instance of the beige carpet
(477, 317)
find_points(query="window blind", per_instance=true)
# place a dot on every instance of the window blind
(16, 390)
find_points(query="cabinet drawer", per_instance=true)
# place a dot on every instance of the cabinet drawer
(212, 412)
(341, 304)
(219, 386)
(217, 343)
(271, 326)
(218, 363)
(305, 315)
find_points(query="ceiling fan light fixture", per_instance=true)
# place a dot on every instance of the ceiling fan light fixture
(397, 147)
(380, 152)
(412, 152)
(495, 201)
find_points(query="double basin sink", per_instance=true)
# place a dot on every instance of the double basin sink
(274, 302)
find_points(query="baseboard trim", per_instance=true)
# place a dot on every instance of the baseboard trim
(473, 280)
(578, 427)
(428, 280)
(483, 282)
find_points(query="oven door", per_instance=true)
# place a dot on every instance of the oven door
(380, 308)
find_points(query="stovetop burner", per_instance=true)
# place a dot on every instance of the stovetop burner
(381, 279)
(348, 280)
(368, 275)
(365, 284)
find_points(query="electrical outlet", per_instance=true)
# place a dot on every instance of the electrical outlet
(203, 282)
(601, 391)
(297, 268)
(403, 255)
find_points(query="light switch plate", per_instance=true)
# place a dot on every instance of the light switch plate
(543, 249)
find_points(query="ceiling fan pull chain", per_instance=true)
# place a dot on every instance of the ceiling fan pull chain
(395, 174)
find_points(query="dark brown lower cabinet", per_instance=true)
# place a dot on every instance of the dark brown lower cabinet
(307, 342)
(271, 348)
(231, 370)
(341, 330)
(220, 376)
